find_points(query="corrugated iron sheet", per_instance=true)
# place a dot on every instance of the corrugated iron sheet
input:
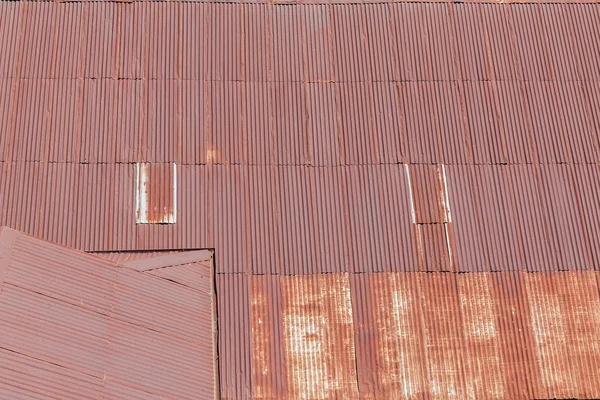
(299, 220)
(235, 336)
(413, 335)
(71, 322)
(287, 124)
(266, 84)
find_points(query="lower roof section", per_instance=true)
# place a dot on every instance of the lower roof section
(303, 220)
(77, 326)
(410, 335)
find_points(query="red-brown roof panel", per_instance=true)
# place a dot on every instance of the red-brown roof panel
(132, 53)
(100, 42)
(582, 138)
(567, 241)
(70, 35)
(515, 122)
(161, 143)
(407, 23)
(586, 39)
(467, 247)
(561, 41)
(65, 127)
(358, 141)
(323, 124)
(319, 56)
(259, 123)
(497, 220)
(226, 133)
(164, 60)
(263, 239)
(10, 17)
(487, 138)
(225, 44)
(587, 182)
(350, 38)
(28, 137)
(235, 336)
(267, 358)
(422, 132)
(331, 226)
(291, 145)
(297, 228)
(441, 41)
(380, 42)
(7, 86)
(97, 124)
(288, 43)
(193, 41)
(532, 42)
(228, 193)
(391, 142)
(80, 320)
(37, 46)
(130, 125)
(474, 59)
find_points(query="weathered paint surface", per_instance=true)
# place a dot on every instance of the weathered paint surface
(497, 335)
(317, 335)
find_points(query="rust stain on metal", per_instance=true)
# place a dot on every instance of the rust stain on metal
(443, 336)
(400, 370)
(267, 351)
(318, 337)
(156, 193)
(483, 365)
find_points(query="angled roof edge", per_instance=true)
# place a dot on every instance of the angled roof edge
(168, 260)
(9, 235)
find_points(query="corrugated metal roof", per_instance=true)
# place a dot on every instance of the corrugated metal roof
(297, 220)
(78, 326)
(415, 335)
(344, 159)
(423, 83)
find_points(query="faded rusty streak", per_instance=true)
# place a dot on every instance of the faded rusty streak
(401, 371)
(549, 327)
(318, 337)
(267, 359)
(483, 366)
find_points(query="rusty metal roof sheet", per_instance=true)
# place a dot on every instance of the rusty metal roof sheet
(411, 335)
(78, 326)
(294, 219)
(392, 189)
(437, 83)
